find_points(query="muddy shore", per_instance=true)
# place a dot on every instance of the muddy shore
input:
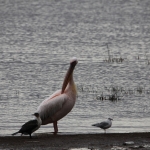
(67, 142)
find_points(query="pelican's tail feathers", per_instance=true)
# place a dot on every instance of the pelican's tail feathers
(15, 133)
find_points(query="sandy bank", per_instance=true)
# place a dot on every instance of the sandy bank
(65, 142)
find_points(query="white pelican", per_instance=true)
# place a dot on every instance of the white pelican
(60, 103)
(104, 125)
(30, 126)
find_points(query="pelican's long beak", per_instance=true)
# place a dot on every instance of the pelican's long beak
(68, 75)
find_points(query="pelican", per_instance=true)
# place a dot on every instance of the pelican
(30, 126)
(60, 103)
(104, 125)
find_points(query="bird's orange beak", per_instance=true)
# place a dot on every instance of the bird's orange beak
(68, 76)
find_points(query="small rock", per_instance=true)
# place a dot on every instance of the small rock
(134, 147)
(128, 143)
(146, 146)
(141, 146)
(79, 149)
(118, 148)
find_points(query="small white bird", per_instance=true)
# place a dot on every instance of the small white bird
(30, 126)
(104, 125)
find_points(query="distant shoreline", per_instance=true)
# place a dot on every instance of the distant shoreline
(66, 142)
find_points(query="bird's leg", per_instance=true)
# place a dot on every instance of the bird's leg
(30, 136)
(55, 127)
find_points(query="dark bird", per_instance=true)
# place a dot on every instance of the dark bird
(30, 126)
(104, 125)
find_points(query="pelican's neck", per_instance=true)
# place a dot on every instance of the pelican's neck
(71, 85)
(68, 79)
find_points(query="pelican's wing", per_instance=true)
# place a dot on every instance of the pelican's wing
(58, 92)
(51, 106)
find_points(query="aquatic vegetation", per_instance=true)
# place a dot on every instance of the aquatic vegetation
(111, 97)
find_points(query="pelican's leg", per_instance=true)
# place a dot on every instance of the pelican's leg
(30, 136)
(55, 127)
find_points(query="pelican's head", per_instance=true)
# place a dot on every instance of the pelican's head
(73, 61)
(69, 73)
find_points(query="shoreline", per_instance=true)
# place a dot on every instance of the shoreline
(70, 141)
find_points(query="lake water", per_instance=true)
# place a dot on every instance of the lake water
(111, 40)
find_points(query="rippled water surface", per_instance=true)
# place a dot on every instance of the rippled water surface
(111, 40)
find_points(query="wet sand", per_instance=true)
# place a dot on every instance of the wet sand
(67, 142)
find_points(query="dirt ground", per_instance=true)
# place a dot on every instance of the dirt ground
(48, 141)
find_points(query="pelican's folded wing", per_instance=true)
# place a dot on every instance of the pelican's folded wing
(51, 106)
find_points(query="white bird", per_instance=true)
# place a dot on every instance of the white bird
(30, 126)
(60, 103)
(104, 125)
